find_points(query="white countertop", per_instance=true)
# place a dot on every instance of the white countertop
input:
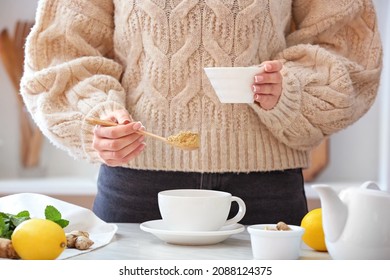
(49, 186)
(130, 242)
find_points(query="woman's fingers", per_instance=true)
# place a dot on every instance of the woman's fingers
(123, 155)
(114, 145)
(266, 101)
(120, 117)
(118, 162)
(117, 145)
(267, 86)
(268, 78)
(119, 131)
(273, 89)
(272, 66)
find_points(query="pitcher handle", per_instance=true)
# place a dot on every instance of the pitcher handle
(370, 185)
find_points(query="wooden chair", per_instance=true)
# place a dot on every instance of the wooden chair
(12, 56)
(319, 158)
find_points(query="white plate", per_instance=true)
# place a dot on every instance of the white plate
(158, 228)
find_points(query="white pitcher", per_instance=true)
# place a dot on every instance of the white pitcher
(356, 222)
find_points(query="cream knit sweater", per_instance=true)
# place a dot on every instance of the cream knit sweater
(86, 58)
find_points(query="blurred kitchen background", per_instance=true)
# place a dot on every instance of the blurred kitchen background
(350, 157)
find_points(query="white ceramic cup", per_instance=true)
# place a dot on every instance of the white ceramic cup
(198, 209)
(233, 84)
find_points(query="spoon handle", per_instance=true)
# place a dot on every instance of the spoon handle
(143, 132)
(111, 123)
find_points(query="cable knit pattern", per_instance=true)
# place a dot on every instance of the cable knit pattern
(87, 58)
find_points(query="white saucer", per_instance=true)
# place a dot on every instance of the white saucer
(158, 228)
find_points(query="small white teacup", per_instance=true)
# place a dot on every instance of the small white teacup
(198, 209)
(233, 84)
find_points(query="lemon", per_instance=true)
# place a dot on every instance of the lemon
(314, 233)
(38, 239)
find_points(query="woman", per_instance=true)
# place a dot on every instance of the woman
(140, 64)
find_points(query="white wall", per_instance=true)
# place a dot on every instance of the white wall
(355, 152)
(384, 147)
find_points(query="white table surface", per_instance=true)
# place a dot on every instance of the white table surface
(130, 242)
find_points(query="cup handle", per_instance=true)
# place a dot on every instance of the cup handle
(241, 211)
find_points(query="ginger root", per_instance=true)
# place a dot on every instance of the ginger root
(282, 226)
(83, 243)
(78, 239)
(7, 250)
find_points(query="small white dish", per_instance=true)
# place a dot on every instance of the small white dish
(159, 229)
(275, 244)
(233, 84)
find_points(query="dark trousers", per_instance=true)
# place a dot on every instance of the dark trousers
(130, 196)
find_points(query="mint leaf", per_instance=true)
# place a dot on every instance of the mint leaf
(19, 218)
(24, 213)
(3, 227)
(52, 214)
(8, 222)
(15, 220)
(63, 223)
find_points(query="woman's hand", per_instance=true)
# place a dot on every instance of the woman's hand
(119, 144)
(267, 86)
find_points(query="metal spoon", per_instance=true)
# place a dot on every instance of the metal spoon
(183, 140)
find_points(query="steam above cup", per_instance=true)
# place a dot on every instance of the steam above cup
(198, 209)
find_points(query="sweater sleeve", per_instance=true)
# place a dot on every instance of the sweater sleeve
(331, 72)
(69, 73)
